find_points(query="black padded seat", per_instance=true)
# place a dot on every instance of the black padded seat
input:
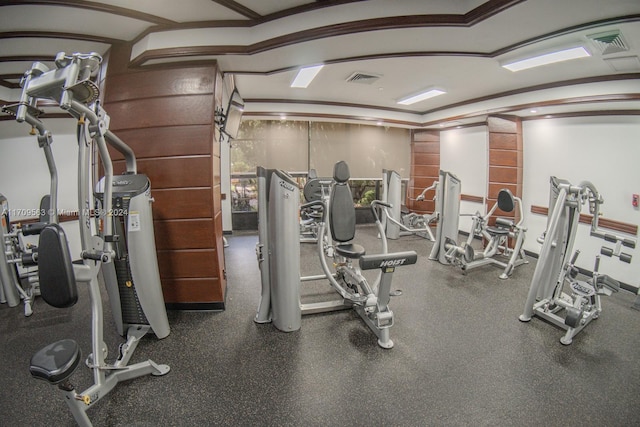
(350, 250)
(56, 362)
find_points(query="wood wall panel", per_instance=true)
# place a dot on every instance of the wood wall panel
(184, 234)
(426, 159)
(420, 183)
(173, 172)
(426, 171)
(502, 175)
(183, 291)
(161, 83)
(166, 141)
(425, 168)
(505, 160)
(187, 263)
(182, 203)
(217, 199)
(159, 112)
(216, 174)
(166, 114)
(503, 141)
(430, 147)
(220, 252)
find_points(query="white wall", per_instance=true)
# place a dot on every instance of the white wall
(465, 153)
(604, 150)
(24, 176)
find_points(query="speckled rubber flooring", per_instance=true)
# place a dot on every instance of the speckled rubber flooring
(461, 358)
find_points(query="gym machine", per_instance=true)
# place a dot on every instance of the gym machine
(314, 189)
(123, 259)
(278, 252)
(8, 274)
(19, 259)
(497, 238)
(397, 221)
(556, 273)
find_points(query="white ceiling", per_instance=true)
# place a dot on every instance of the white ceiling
(411, 44)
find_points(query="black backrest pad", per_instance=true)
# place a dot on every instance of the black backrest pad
(55, 270)
(342, 212)
(506, 202)
(341, 172)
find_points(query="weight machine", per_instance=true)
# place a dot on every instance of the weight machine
(278, 252)
(314, 189)
(19, 260)
(555, 273)
(397, 221)
(446, 249)
(119, 244)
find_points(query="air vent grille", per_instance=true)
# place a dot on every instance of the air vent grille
(363, 78)
(609, 42)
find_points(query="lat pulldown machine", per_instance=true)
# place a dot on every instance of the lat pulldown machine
(555, 273)
(124, 252)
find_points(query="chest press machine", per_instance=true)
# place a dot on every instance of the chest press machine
(555, 294)
(126, 261)
(278, 252)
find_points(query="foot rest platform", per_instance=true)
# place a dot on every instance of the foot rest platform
(56, 362)
(392, 260)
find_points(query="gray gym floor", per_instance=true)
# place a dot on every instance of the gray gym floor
(461, 357)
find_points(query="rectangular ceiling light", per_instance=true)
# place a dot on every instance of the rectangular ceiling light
(306, 75)
(549, 58)
(421, 96)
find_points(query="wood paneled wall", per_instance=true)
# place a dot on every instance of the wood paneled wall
(505, 158)
(425, 169)
(166, 115)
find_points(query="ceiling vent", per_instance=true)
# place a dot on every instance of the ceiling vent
(363, 78)
(609, 42)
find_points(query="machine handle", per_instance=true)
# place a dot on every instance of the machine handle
(575, 257)
(381, 203)
(313, 203)
(34, 228)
